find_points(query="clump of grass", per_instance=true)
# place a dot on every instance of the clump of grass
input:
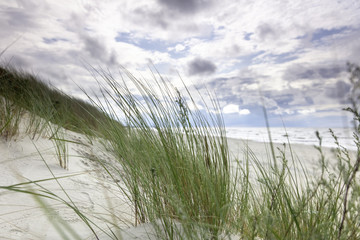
(350, 209)
(41, 100)
(176, 171)
(10, 118)
(60, 145)
(175, 161)
(280, 202)
(36, 126)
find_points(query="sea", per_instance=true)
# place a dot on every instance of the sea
(305, 136)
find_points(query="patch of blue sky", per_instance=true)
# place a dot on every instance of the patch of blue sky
(257, 119)
(254, 119)
(302, 37)
(179, 54)
(146, 44)
(124, 37)
(319, 34)
(162, 68)
(252, 58)
(284, 57)
(53, 40)
(152, 45)
(247, 36)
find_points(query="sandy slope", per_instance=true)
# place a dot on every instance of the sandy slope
(93, 191)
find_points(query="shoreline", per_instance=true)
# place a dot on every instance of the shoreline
(295, 135)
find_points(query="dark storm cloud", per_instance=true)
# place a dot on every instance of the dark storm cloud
(98, 51)
(224, 88)
(150, 17)
(330, 72)
(282, 100)
(298, 72)
(94, 47)
(266, 31)
(201, 67)
(166, 19)
(218, 83)
(185, 6)
(340, 90)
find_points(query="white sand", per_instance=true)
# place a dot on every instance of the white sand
(301, 158)
(307, 154)
(93, 192)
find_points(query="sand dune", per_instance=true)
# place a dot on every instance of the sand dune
(90, 188)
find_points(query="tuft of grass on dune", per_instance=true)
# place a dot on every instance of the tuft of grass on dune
(10, 118)
(42, 101)
(175, 161)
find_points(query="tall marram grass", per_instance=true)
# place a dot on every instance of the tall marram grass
(177, 169)
(283, 201)
(42, 110)
(175, 161)
(10, 118)
(27, 92)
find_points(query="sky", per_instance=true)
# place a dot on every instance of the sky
(289, 56)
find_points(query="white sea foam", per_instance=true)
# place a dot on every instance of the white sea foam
(305, 136)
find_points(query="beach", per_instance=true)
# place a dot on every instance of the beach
(91, 189)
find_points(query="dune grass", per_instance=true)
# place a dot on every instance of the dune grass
(177, 171)
(45, 104)
(10, 118)
(175, 161)
(44, 110)
(179, 175)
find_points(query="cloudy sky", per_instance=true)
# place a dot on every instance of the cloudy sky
(292, 53)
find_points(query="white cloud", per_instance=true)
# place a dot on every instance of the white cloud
(244, 112)
(306, 111)
(232, 108)
(282, 111)
(179, 47)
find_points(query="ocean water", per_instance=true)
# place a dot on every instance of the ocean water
(294, 135)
